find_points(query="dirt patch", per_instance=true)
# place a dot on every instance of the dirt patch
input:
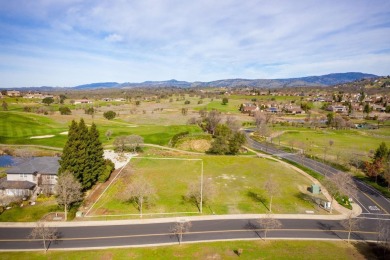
(106, 256)
(96, 191)
(54, 216)
(195, 145)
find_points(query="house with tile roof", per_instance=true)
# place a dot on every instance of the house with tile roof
(37, 173)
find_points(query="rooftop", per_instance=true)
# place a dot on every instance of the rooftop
(46, 165)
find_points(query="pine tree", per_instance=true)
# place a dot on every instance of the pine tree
(95, 159)
(67, 161)
(83, 154)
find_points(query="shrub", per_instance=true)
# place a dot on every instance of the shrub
(105, 175)
(27, 109)
(187, 102)
(177, 137)
(65, 111)
(109, 115)
(89, 111)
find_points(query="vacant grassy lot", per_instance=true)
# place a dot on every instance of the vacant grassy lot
(170, 178)
(238, 183)
(214, 250)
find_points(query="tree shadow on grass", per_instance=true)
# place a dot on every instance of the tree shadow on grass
(373, 250)
(190, 200)
(258, 198)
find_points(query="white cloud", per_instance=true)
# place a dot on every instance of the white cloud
(198, 40)
(114, 38)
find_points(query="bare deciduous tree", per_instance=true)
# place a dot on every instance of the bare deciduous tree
(268, 223)
(180, 228)
(139, 191)
(108, 134)
(24, 153)
(233, 124)
(212, 120)
(350, 224)
(259, 119)
(68, 191)
(195, 194)
(272, 188)
(134, 142)
(384, 235)
(42, 232)
(120, 143)
(340, 183)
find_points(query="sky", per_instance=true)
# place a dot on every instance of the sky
(72, 42)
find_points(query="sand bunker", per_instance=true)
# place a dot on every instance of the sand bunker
(41, 136)
(64, 133)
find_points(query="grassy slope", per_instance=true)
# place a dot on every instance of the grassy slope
(214, 250)
(18, 127)
(346, 143)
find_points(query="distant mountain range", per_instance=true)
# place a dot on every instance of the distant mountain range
(324, 80)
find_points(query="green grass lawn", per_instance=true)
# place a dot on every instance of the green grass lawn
(18, 127)
(232, 106)
(153, 134)
(238, 182)
(346, 143)
(29, 213)
(214, 250)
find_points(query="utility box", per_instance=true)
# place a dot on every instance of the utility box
(315, 189)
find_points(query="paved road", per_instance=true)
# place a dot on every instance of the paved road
(13, 238)
(375, 209)
(373, 204)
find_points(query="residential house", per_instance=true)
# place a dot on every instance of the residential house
(82, 101)
(249, 108)
(34, 95)
(273, 110)
(378, 108)
(337, 108)
(290, 109)
(36, 173)
(13, 93)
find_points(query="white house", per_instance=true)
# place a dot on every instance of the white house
(24, 178)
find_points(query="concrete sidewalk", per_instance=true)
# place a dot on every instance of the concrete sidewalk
(174, 219)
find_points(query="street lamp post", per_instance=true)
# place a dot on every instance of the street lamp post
(201, 188)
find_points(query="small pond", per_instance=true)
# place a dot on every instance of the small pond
(7, 160)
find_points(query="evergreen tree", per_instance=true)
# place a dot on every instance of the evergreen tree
(381, 152)
(83, 154)
(95, 159)
(67, 161)
(226, 142)
(235, 142)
